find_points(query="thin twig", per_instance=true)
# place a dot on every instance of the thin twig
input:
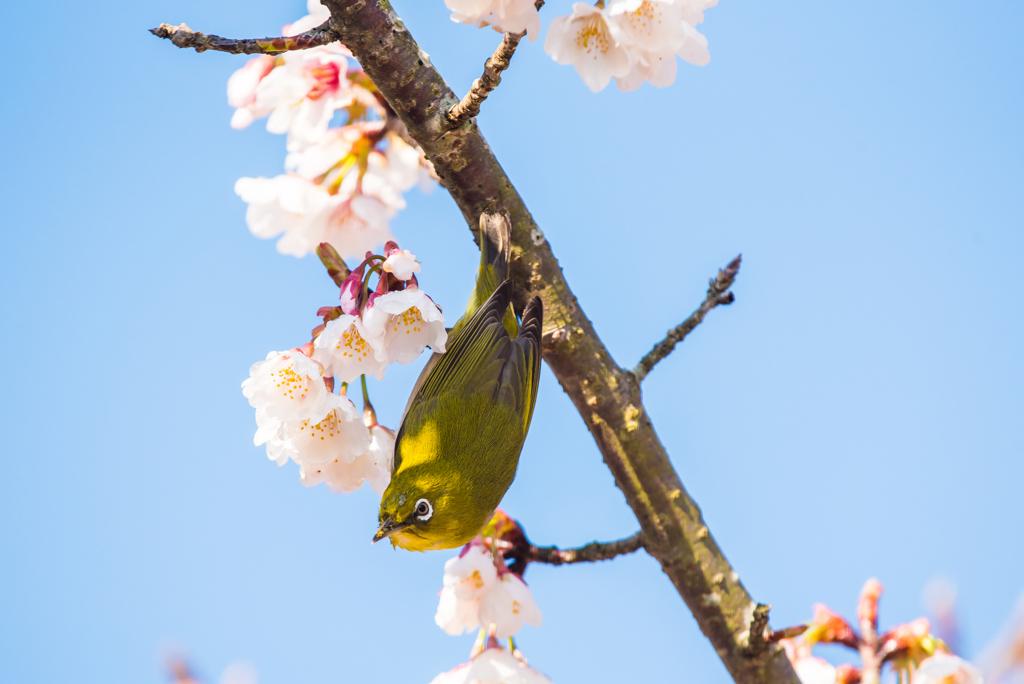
(482, 87)
(469, 106)
(787, 633)
(595, 551)
(184, 37)
(718, 294)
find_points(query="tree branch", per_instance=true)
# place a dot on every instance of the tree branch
(469, 106)
(592, 552)
(606, 396)
(184, 37)
(718, 294)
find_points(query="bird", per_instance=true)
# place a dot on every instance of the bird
(458, 447)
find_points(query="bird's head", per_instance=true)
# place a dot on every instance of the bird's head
(420, 514)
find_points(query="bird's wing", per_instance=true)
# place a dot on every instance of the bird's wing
(528, 359)
(479, 346)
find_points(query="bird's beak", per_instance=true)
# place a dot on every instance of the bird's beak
(388, 527)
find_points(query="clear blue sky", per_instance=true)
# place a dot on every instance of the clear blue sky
(857, 412)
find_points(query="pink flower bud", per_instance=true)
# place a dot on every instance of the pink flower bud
(847, 674)
(402, 264)
(867, 608)
(351, 291)
(907, 636)
(829, 627)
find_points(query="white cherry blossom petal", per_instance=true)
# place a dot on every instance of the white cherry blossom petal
(592, 41)
(346, 348)
(812, 670)
(504, 16)
(339, 435)
(493, 665)
(943, 668)
(381, 456)
(508, 605)
(455, 615)
(287, 386)
(403, 324)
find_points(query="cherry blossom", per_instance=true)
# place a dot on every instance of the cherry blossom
(316, 15)
(308, 214)
(943, 668)
(813, 670)
(346, 349)
(508, 605)
(242, 89)
(504, 16)
(287, 386)
(592, 41)
(468, 578)
(632, 41)
(327, 156)
(493, 665)
(380, 457)
(338, 474)
(339, 434)
(402, 324)
(655, 31)
(476, 593)
(401, 263)
(300, 93)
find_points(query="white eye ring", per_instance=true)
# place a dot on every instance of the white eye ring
(424, 510)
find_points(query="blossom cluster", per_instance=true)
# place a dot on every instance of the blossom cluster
(910, 649)
(631, 41)
(480, 592)
(342, 184)
(298, 415)
(477, 593)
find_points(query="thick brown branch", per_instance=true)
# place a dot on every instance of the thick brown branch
(718, 293)
(606, 396)
(469, 106)
(595, 551)
(184, 37)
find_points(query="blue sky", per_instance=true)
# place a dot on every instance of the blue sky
(856, 412)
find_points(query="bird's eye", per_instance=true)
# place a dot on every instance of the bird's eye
(424, 510)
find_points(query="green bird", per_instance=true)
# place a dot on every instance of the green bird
(457, 450)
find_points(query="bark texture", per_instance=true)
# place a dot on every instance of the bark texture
(607, 397)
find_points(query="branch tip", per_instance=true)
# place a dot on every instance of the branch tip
(595, 551)
(787, 633)
(718, 295)
(469, 106)
(184, 37)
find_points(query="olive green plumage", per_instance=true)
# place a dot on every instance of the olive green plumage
(458, 447)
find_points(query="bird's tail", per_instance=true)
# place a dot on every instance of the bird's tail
(495, 252)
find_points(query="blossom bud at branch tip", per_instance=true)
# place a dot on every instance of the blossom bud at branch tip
(336, 267)
(867, 607)
(402, 264)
